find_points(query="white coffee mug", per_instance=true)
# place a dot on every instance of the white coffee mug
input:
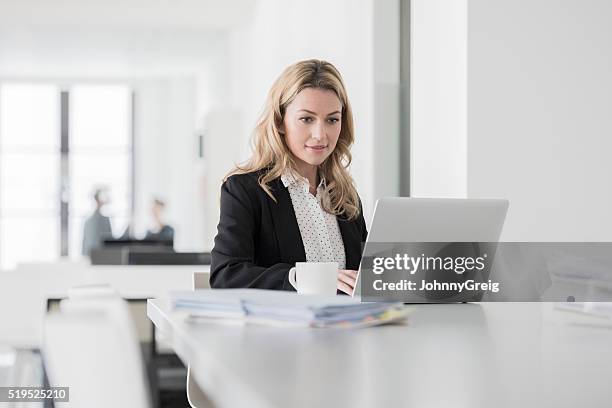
(314, 278)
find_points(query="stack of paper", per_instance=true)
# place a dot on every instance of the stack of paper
(286, 308)
(208, 303)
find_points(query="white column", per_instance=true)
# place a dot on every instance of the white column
(438, 98)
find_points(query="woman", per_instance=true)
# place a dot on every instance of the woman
(294, 200)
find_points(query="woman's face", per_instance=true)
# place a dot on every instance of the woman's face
(312, 125)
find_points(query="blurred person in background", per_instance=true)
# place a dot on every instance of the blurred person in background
(97, 226)
(161, 231)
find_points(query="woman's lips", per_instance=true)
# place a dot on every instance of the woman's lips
(318, 148)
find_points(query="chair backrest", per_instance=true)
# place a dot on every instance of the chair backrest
(138, 312)
(91, 346)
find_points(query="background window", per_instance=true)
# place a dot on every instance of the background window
(36, 166)
(29, 173)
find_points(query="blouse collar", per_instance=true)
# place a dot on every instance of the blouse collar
(291, 177)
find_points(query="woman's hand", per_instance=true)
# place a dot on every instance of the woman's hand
(346, 280)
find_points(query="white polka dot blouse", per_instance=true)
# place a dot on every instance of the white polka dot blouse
(318, 228)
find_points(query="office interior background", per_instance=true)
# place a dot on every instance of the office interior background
(451, 98)
(475, 99)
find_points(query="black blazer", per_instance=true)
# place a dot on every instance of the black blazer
(258, 240)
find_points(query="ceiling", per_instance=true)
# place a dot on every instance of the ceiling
(185, 14)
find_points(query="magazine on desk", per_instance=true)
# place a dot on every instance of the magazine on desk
(285, 309)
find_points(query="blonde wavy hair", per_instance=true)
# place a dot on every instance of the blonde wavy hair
(270, 151)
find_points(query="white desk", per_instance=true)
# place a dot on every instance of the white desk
(462, 355)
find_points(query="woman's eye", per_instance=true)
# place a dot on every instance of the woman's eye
(333, 120)
(306, 119)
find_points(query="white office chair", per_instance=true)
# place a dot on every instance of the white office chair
(195, 395)
(91, 347)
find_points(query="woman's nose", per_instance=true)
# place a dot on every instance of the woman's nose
(318, 132)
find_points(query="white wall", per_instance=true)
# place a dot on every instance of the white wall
(530, 118)
(77, 51)
(539, 104)
(438, 98)
(222, 150)
(165, 150)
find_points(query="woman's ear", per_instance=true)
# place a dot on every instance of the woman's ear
(281, 129)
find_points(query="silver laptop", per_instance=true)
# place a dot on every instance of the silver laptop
(404, 219)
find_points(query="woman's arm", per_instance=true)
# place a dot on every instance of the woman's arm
(233, 256)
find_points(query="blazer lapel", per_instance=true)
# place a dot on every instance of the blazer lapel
(286, 226)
